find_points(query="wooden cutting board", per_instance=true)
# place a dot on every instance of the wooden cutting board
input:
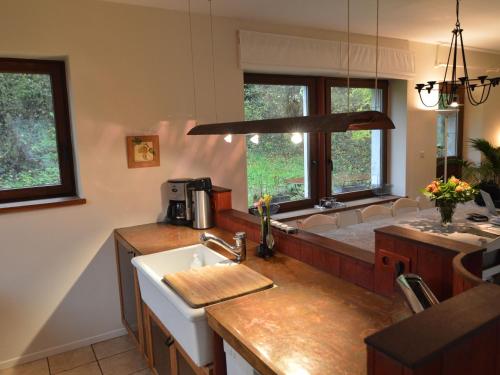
(211, 284)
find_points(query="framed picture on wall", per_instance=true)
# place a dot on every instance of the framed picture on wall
(143, 151)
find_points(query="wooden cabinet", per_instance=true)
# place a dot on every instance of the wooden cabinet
(165, 355)
(130, 298)
(428, 256)
(159, 346)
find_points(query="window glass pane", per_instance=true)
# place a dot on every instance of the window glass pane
(356, 155)
(277, 164)
(28, 146)
(452, 124)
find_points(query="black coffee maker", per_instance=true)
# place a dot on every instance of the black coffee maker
(179, 210)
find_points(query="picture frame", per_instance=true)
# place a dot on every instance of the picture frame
(143, 151)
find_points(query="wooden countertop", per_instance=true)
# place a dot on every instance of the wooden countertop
(312, 321)
(429, 239)
(414, 341)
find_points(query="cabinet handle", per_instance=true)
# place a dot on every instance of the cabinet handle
(169, 341)
(130, 252)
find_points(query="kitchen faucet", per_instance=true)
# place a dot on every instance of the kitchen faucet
(239, 250)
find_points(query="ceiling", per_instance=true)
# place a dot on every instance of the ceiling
(428, 21)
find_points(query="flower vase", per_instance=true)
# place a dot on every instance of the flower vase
(262, 249)
(446, 209)
(269, 238)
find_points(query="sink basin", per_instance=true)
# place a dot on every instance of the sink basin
(189, 326)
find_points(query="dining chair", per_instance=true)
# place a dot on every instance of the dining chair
(319, 223)
(424, 202)
(373, 212)
(403, 205)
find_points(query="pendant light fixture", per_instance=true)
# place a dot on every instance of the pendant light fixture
(477, 89)
(328, 123)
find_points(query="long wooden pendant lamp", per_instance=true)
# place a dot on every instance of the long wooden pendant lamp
(330, 123)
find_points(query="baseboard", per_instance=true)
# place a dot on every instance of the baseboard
(61, 348)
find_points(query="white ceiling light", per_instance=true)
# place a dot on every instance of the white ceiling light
(296, 138)
(254, 139)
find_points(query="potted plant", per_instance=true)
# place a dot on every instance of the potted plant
(447, 195)
(485, 175)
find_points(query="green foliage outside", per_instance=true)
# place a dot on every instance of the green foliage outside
(28, 147)
(351, 151)
(275, 160)
(276, 165)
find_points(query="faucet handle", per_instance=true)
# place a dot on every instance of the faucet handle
(204, 236)
(239, 236)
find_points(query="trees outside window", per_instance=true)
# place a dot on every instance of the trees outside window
(36, 159)
(297, 168)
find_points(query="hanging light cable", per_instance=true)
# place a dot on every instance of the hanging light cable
(325, 123)
(192, 59)
(378, 107)
(348, 56)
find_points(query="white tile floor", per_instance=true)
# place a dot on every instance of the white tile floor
(117, 356)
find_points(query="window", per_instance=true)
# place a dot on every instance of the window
(357, 156)
(447, 123)
(36, 157)
(278, 164)
(449, 137)
(298, 169)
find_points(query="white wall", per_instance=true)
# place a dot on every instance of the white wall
(130, 73)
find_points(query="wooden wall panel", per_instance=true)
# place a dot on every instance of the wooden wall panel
(318, 255)
(498, 348)
(383, 365)
(221, 200)
(357, 272)
(430, 265)
(431, 368)
(476, 355)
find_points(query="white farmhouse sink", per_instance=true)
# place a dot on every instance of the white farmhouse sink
(188, 326)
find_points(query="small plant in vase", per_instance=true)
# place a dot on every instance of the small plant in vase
(447, 195)
(264, 208)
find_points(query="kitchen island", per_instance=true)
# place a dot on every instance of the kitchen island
(311, 320)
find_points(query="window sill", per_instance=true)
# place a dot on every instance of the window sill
(350, 205)
(40, 204)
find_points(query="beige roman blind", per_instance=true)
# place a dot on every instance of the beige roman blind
(274, 53)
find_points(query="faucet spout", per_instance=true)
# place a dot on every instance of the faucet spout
(239, 250)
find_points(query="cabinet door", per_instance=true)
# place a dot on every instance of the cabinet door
(386, 266)
(161, 345)
(127, 289)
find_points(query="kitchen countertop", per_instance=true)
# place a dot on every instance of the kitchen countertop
(312, 323)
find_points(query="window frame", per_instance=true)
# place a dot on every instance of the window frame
(320, 144)
(56, 69)
(312, 93)
(454, 166)
(354, 83)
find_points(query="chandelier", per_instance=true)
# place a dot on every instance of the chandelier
(476, 89)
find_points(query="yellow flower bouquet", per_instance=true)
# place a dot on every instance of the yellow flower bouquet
(448, 194)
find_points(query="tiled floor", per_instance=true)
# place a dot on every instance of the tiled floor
(117, 356)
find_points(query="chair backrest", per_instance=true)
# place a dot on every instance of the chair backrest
(424, 202)
(403, 205)
(318, 223)
(373, 212)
